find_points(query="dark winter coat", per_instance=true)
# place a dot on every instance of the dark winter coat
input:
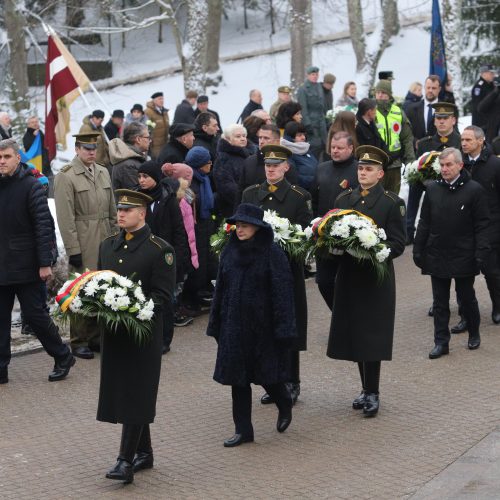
(252, 316)
(172, 152)
(453, 235)
(479, 91)
(206, 141)
(248, 110)
(311, 98)
(293, 203)
(165, 221)
(28, 138)
(126, 161)
(184, 113)
(254, 172)
(486, 171)
(410, 99)
(26, 226)
(490, 109)
(367, 134)
(437, 143)
(331, 179)
(112, 130)
(362, 326)
(302, 160)
(5, 133)
(130, 373)
(226, 175)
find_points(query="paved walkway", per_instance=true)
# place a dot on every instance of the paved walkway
(436, 435)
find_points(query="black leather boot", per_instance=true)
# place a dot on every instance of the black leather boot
(371, 406)
(144, 456)
(460, 327)
(123, 469)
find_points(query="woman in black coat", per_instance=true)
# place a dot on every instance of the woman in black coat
(231, 153)
(164, 217)
(253, 320)
(362, 326)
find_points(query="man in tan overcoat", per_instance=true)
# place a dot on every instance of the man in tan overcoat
(86, 215)
(157, 114)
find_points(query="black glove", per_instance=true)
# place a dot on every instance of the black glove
(76, 260)
(417, 258)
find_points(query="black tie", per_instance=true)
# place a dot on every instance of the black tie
(430, 116)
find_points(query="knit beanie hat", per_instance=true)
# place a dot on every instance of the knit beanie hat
(384, 86)
(152, 169)
(197, 157)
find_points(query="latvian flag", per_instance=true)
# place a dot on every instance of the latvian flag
(63, 78)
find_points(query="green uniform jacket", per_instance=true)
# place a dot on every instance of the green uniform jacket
(102, 154)
(130, 373)
(311, 98)
(85, 209)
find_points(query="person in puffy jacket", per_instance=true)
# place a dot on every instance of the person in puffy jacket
(302, 160)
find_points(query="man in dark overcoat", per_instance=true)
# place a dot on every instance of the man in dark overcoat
(452, 242)
(362, 327)
(293, 203)
(130, 373)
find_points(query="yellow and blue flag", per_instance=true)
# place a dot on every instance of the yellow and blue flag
(34, 154)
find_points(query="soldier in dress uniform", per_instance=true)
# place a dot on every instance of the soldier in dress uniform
(284, 95)
(86, 215)
(364, 307)
(445, 137)
(484, 85)
(130, 373)
(294, 203)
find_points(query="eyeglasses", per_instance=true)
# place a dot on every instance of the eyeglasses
(148, 137)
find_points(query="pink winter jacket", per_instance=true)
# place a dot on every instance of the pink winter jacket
(187, 216)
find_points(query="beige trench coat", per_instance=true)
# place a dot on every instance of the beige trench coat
(85, 209)
(159, 133)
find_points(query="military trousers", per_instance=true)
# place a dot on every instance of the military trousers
(35, 314)
(469, 308)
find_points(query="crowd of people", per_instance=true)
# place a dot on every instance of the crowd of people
(144, 196)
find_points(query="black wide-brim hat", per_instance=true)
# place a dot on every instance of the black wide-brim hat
(251, 214)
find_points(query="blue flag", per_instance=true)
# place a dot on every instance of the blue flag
(438, 56)
(34, 154)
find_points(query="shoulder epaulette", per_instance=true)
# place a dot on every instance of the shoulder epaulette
(111, 236)
(66, 168)
(158, 242)
(393, 196)
(298, 189)
(345, 193)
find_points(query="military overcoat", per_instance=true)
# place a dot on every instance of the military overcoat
(362, 326)
(130, 373)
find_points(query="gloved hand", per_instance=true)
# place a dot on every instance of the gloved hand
(417, 258)
(76, 260)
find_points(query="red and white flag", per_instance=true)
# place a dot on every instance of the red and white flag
(63, 78)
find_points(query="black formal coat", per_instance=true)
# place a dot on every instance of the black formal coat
(26, 227)
(112, 130)
(293, 203)
(130, 373)
(254, 172)
(206, 141)
(489, 107)
(416, 116)
(331, 178)
(453, 235)
(367, 134)
(362, 326)
(252, 316)
(437, 143)
(250, 107)
(479, 91)
(172, 152)
(184, 113)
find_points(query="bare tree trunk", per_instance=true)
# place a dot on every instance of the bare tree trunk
(214, 76)
(271, 16)
(194, 48)
(300, 40)
(18, 66)
(451, 16)
(356, 29)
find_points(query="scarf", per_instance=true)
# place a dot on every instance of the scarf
(206, 194)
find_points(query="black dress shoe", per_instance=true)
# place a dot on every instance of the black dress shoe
(143, 460)
(371, 406)
(83, 352)
(474, 342)
(431, 311)
(236, 440)
(122, 471)
(359, 402)
(495, 316)
(4, 375)
(284, 420)
(438, 351)
(460, 327)
(62, 368)
(266, 399)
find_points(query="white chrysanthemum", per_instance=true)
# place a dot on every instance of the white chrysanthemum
(340, 229)
(76, 304)
(308, 231)
(381, 234)
(110, 299)
(147, 311)
(411, 168)
(383, 254)
(139, 295)
(91, 288)
(120, 292)
(436, 166)
(123, 301)
(124, 282)
(367, 238)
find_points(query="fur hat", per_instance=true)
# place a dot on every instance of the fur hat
(246, 212)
